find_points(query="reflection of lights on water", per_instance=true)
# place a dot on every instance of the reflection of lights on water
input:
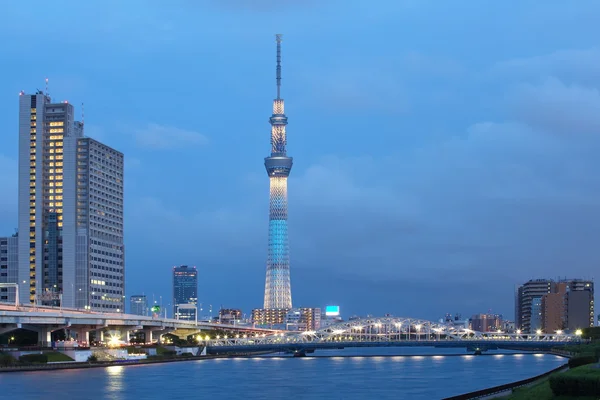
(115, 378)
(438, 357)
(468, 357)
(539, 355)
(115, 370)
(518, 355)
(417, 357)
(498, 355)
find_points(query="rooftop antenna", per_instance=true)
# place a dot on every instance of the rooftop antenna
(46, 86)
(82, 114)
(278, 40)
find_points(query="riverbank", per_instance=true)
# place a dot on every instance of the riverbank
(101, 364)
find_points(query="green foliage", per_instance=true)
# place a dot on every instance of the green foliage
(57, 357)
(6, 360)
(93, 358)
(583, 349)
(591, 333)
(582, 360)
(161, 351)
(34, 359)
(540, 391)
(133, 350)
(582, 381)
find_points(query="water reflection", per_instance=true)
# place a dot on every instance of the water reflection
(114, 382)
(371, 375)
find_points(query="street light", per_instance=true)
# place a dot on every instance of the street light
(539, 331)
(579, 332)
(418, 328)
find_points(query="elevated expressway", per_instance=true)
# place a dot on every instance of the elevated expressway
(388, 332)
(45, 320)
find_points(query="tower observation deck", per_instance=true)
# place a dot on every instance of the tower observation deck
(278, 293)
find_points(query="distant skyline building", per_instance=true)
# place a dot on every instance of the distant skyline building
(9, 265)
(278, 292)
(70, 211)
(138, 305)
(486, 322)
(549, 306)
(185, 292)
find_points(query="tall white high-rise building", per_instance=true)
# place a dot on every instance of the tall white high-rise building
(70, 211)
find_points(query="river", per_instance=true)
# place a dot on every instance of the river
(341, 374)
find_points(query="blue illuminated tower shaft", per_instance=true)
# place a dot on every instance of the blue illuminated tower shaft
(278, 291)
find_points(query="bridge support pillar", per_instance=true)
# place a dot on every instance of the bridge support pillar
(100, 335)
(148, 336)
(127, 337)
(83, 335)
(45, 337)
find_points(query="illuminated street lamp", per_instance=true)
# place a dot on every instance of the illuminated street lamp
(539, 331)
(579, 332)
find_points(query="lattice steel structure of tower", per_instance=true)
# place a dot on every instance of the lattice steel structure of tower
(278, 292)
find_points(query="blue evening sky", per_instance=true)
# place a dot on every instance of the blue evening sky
(444, 151)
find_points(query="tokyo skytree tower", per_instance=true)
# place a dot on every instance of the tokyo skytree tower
(278, 291)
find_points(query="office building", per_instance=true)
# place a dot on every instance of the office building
(486, 322)
(71, 250)
(8, 268)
(278, 292)
(269, 317)
(138, 305)
(230, 315)
(332, 316)
(185, 292)
(548, 306)
(295, 319)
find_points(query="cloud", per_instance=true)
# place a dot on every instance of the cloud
(167, 137)
(350, 88)
(554, 106)
(569, 65)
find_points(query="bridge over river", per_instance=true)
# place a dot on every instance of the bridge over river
(388, 332)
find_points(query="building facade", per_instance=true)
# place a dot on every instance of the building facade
(295, 319)
(549, 306)
(71, 250)
(269, 317)
(486, 322)
(230, 315)
(185, 292)
(9, 266)
(138, 305)
(278, 292)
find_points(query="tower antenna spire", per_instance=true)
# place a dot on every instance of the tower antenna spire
(278, 40)
(46, 87)
(82, 114)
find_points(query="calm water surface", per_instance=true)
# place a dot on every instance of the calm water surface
(344, 374)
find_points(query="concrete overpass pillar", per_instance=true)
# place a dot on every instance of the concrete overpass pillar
(127, 336)
(148, 336)
(83, 335)
(100, 335)
(45, 337)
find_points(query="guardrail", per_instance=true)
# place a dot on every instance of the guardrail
(503, 388)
